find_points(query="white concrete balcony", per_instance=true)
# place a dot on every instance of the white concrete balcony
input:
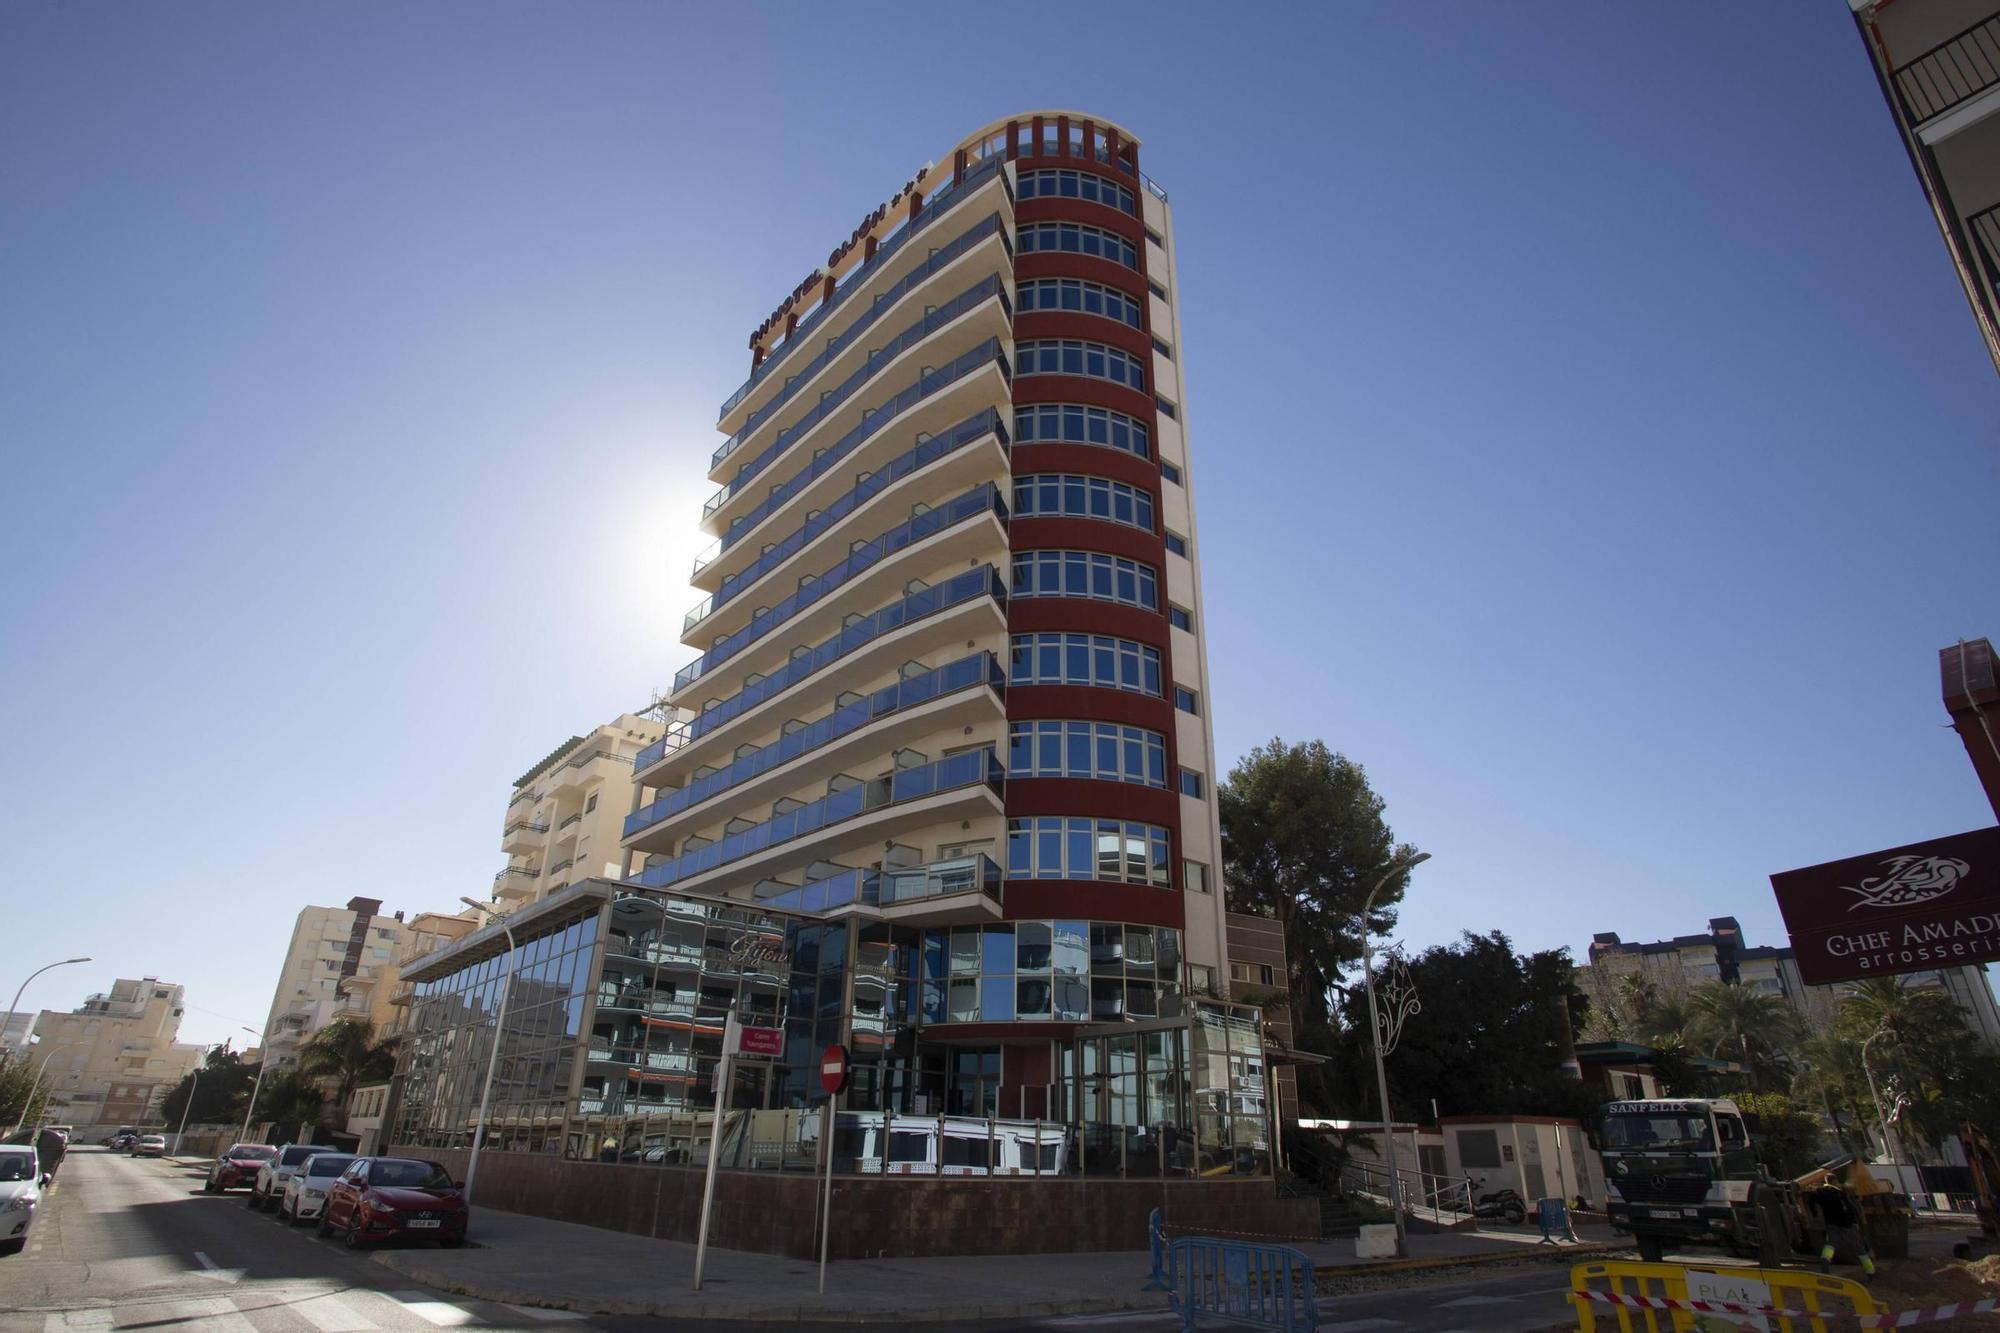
(522, 836)
(515, 884)
(948, 214)
(964, 694)
(573, 775)
(915, 627)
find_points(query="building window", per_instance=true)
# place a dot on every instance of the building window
(1043, 494)
(1064, 847)
(1163, 349)
(1073, 423)
(1192, 784)
(1084, 659)
(1073, 356)
(1077, 185)
(1181, 618)
(1167, 409)
(1067, 971)
(1156, 289)
(1105, 751)
(1079, 297)
(1076, 239)
(1085, 574)
(1194, 876)
(590, 803)
(1176, 543)
(1253, 974)
(1156, 238)
(1171, 473)
(1187, 700)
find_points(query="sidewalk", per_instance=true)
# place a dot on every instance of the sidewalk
(524, 1260)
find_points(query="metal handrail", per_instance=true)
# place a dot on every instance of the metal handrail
(1955, 70)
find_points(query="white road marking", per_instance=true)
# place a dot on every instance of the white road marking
(330, 1314)
(545, 1315)
(209, 1268)
(442, 1313)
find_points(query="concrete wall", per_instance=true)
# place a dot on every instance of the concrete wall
(773, 1213)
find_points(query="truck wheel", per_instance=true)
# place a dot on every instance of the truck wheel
(1650, 1248)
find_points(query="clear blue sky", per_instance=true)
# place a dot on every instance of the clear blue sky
(1590, 435)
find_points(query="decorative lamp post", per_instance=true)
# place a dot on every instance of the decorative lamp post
(1386, 1028)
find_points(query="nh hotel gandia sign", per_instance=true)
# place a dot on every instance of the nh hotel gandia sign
(1908, 909)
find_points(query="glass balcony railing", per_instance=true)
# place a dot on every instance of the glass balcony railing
(974, 768)
(939, 204)
(887, 888)
(965, 673)
(981, 499)
(928, 383)
(847, 337)
(970, 586)
(965, 432)
(864, 490)
(837, 397)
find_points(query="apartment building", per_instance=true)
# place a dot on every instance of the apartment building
(939, 785)
(333, 965)
(1259, 974)
(1938, 62)
(565, 817)
(1719, 954)
(108, 1061)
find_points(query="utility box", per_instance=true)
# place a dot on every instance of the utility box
(1375, 1242)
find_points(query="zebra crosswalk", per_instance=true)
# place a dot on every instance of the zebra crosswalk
(356, 1310)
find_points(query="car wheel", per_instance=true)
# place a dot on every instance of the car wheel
(325, 1227)
(1515, 1217)
(13, 1246)
(353, 1239)
(254, 1200)
(1651, 1249)
(208, 1186)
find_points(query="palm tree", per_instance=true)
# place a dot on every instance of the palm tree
(347, 1053)
(1738, 1023)
(1886, 1004)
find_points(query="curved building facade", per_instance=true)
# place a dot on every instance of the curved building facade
(953, 625)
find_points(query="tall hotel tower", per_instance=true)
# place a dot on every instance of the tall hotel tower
(952, 672)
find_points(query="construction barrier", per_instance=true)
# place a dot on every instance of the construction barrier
(1668, 1298)
(1231, 1282)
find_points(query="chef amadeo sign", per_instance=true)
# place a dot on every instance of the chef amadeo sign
(1908, 909)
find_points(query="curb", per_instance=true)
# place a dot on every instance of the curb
(700, 1307)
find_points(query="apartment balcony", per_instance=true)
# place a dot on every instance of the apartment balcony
(963, 530)
(975, 450)
(965, 890)
(974, 272)
(522, 836)
(962, 694)
(515, 884)
(916, 398)
(893, 260)
(523, 796)
(573, 775)
(1949, 77)
(842, 825)
(914, 627)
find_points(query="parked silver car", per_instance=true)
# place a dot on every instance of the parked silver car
(305, 1192)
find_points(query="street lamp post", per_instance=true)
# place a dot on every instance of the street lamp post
(36, 1082)
(1375, 1025)
(5, 1050)
(493, 1060)
(1876, 1097)
(263, 1059)
(187, 1111)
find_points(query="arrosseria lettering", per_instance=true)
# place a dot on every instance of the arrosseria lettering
(1964, 939)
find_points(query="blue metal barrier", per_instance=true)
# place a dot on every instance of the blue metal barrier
(1156, 1242)
(1240, 1282)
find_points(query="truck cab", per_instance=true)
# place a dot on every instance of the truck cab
(1685, 1172)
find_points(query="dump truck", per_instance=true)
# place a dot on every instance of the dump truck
(1685, 1172)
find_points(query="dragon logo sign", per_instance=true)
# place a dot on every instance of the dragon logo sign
(1908, 880)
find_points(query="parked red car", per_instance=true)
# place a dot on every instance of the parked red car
(394, 1198)
(238, 1166)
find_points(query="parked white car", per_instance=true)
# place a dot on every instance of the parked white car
(305, 1192)
(269, 1190)
(20, 1192)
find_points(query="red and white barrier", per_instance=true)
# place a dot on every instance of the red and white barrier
(1899, 1319)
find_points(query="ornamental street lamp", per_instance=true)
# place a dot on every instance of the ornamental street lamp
(1403, 997)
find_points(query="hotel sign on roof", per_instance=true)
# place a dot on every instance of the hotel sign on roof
(874, 226)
